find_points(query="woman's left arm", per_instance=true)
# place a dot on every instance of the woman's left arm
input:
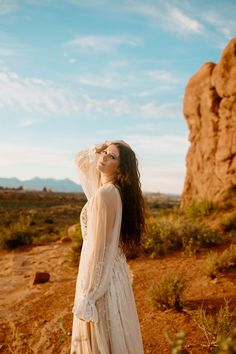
(99, 252)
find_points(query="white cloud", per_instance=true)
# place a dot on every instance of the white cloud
(37, 95)
(102, 43)
(169, 17)
(34, 95)
(182, 23)
(145, 83)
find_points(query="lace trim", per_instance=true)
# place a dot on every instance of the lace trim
(83, 221)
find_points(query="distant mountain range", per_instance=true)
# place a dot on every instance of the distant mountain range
(36, 183)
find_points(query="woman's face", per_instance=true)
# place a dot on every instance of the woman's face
(108, 160)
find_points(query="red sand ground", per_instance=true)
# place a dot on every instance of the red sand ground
(38, 319)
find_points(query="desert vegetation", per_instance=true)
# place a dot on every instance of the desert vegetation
(36, 217)
(183, 274)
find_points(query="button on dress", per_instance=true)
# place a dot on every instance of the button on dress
(105, 319)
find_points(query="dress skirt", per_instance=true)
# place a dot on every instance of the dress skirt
(117, 330)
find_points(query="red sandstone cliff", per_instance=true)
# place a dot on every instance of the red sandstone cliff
(210, 110)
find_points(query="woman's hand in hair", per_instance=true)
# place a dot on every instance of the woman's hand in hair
(101, 147)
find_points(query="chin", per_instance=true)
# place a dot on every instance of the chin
(100, 168)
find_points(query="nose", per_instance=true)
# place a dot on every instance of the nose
(104, 157)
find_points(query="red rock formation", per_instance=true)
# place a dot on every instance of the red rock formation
(210, 110)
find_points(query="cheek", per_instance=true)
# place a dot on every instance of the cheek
(115, 166)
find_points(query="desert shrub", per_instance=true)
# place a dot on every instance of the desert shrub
(196, 235)
(226, 345)
(176, 344)
(171, 234)
(168, 292)
(228, 223)
(200, 208)
(76, 244)
(161, 237)
(217, 325)
(217, 262)
(17, 234)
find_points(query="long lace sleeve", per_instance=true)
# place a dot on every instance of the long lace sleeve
(98, 252)
(86, 161)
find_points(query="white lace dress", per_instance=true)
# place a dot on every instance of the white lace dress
(105, 318)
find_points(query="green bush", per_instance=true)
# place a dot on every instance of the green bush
(200, 208)
(161, 237)
(171, 234)
(168, 292)
(228, 223)
(217, 262)
(17, 234)
(196, 235)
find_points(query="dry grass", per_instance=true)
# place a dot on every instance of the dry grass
(168, 292)
(216, 326)
(217, 262)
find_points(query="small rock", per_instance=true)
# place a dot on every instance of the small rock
(66, 239)
(41, 277)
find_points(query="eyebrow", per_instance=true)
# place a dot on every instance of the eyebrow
(112, 154)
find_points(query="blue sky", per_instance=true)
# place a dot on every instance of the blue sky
(78, 72)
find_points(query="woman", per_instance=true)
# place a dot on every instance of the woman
(105, 318)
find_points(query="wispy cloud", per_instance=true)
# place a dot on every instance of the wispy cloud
(225, 27)
(102, 43)
(183, 23)
(145, 84)
(34, 95)
(169, 17)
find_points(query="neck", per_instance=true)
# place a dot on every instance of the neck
(107, 179)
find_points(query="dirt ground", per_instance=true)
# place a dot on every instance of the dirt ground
(38, 318)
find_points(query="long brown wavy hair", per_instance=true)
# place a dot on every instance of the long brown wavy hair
(128, 183)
